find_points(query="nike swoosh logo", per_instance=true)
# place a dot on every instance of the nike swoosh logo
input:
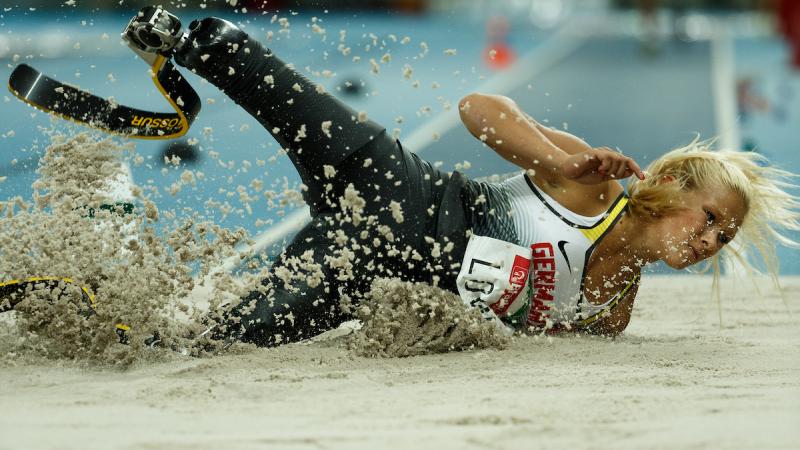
(564, 252)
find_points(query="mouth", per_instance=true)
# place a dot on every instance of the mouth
(695, 255)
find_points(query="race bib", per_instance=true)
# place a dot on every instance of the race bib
(493, 274)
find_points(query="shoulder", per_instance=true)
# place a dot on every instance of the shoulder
(583, 199)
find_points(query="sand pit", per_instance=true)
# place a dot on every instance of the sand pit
(674, 380)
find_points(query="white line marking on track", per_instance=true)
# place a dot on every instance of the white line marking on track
(724, 86)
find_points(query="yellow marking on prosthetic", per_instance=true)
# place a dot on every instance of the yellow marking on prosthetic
(158, 64)
(67, 280)
(85, 290)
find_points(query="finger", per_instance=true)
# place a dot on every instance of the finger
(623, 171)
(628, 172)
(635, 168)
(613, 169)
(605, 165)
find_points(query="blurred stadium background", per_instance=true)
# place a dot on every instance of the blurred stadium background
(642, 76)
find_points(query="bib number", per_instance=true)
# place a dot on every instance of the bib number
(492, 275)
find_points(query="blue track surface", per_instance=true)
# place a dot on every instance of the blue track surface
(236, 137)
(607, 91)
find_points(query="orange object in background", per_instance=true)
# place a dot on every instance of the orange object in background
(498, 53)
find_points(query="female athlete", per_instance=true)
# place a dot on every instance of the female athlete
(559, 246)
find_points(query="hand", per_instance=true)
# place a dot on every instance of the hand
(599, 165)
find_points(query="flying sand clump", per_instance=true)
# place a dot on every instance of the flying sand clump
(409, 319)
(76, 231)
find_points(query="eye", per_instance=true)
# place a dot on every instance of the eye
(710, 217)
(723, 238)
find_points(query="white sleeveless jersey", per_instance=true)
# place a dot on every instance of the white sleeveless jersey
(533, 273)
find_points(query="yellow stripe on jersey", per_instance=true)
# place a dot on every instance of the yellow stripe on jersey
(611, 303)
(594, 233)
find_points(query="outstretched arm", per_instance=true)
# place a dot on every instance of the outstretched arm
(497, 121)
(552, 156)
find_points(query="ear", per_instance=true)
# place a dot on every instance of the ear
(666, 179)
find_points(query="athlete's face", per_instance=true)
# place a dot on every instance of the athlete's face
(709, 220)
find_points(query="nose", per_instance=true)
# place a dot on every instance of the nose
(710, 241)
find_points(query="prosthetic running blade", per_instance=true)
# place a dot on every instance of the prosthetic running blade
(13, 292)
(153, 34)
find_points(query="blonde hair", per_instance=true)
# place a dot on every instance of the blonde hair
(763, 188)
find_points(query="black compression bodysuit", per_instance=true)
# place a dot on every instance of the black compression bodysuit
(425, 245)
